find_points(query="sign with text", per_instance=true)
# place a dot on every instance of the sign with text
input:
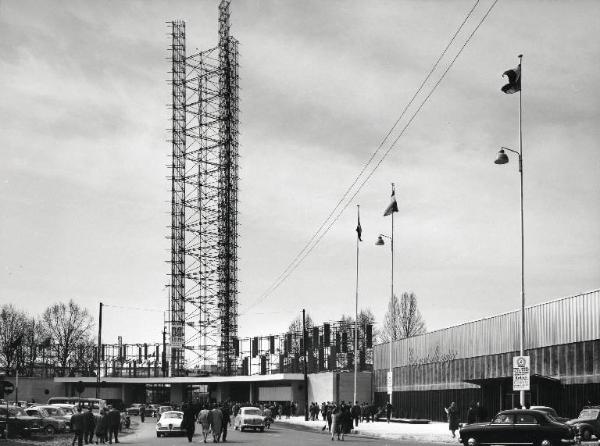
(521, 373)
(390, 382)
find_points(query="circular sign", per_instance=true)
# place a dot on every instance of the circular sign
(521, 362)
(8, 387)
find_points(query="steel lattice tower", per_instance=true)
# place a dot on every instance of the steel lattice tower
(210, 189)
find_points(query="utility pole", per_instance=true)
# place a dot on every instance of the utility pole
(305, 375)
(99, 352)
(164, 352)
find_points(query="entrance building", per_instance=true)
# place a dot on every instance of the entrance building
(473, 362)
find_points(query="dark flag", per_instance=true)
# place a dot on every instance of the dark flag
(514, 80)
(393, 206)
(359, 229)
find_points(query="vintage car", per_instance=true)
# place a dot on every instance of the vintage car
(19, 423)
(134, 409)
(169, 423)
(50, 423)
(550, 411)
(519, 426)
(249, 418)
(56, 412)
(587, 423)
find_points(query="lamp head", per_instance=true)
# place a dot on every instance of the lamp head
(380, 241)
(502, 157)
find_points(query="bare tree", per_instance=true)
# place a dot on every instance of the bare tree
(391, 323)
(296, 324)
(403, 318)
(13, 327)
(69, 326)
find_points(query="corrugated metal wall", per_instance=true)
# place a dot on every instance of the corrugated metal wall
(564, 321)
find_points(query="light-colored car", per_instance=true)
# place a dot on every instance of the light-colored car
(57, 412)
(49, 423)
(169, 423)
(249, 418)
(163, 409)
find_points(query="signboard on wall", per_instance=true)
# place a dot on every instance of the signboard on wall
(390, 382)
(279, 393)
(521, 373)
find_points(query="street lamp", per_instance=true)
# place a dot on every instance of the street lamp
(503, 159)
(381, 242)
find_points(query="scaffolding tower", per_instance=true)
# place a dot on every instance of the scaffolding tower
(204, 290)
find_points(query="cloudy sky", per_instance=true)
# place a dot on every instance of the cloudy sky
(84, 199)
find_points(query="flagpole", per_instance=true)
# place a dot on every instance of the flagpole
(356, 309)
(522, 392)
(392, 297)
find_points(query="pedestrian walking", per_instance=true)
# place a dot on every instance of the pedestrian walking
(388, 411)
(335, 423)
(452, 412)
(101, 427)
(481, 413)
(472, 413)
(113, 419)
(216, 419)
(89, 426)
(226, 411)
(77, 426)
(189, 421)
(204, 420)
(142, 413)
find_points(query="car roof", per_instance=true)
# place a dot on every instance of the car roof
(522, 411)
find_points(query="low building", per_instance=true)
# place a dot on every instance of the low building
(474, 362)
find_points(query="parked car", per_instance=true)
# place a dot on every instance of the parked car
(587, 423)
(55, 412)
(19, 423)
(249, 418)
(151, 410)
(519, 426)
(50, 424)
(550, 411)
(134, 409)
(169, 423)
(163, 409)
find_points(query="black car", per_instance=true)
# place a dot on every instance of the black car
(519, 426)
(587, 423)
(19, 423)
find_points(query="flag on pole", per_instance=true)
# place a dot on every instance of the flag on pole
(514, 80)
(393, 206)
(359, 229)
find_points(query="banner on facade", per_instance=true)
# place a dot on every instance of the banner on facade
(390, 383)
(521, 373)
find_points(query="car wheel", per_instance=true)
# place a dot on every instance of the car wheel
(49, 430)
(586, 435)
(472, 441)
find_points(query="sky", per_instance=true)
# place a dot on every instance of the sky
(84, 198)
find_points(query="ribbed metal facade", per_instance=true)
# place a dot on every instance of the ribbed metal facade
(473, 362)
(563, 321)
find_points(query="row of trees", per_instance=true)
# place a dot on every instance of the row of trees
(61, 337)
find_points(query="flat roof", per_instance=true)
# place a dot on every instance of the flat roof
(182, 379)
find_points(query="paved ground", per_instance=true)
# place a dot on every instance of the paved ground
(279, 434)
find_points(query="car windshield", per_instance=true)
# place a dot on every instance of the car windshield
(165, 408)
(177, 415)
(251, 411)
(14, 411)
(589, 413)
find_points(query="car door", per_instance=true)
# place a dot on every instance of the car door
(499, 431)
(527, 429)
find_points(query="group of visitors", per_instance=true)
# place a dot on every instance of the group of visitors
(214, 420)
(86, 424)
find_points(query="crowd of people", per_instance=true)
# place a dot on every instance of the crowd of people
(105, 427)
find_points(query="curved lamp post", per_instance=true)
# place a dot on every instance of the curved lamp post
(503, 159)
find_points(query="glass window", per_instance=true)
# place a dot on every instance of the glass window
(526, 419)
(252, 411)
(503, 418)
(589, 414)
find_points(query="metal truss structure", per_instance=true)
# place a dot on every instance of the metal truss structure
(204, 229)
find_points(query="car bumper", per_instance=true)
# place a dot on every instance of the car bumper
(167, 430)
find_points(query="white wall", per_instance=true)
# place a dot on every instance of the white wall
(321, 387)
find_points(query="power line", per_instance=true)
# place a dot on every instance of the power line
(373, 155)
(308, 248)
